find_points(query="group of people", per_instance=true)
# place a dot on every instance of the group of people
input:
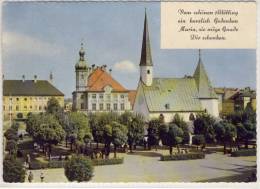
(27, 165)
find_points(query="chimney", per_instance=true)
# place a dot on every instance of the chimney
(51, 77)
(35, 78)
(23, 78)
(93, 67)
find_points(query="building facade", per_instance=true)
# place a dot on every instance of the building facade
(97, 91)
(165, 97)
(21, 97)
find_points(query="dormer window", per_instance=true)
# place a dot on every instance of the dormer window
(167, 106)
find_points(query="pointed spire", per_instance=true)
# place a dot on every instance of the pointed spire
(203, 83)
(146, 57)
(81, 53)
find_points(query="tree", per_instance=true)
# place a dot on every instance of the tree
(53, 106)
(45, 129)
(198, 140)
(119, 135)
(135, 126)
(177, 120)
(246, 132)
(11, 134)
(11, 147)
(79, 168)
(171, 135)
(203, 125)
(77, 128)
(225, 132)
(153, 132)
(13, 170)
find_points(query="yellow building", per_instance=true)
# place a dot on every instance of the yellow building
(21, 97)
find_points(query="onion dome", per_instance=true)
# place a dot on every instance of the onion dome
(81, 64)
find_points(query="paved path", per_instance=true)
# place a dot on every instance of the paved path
(146, 167)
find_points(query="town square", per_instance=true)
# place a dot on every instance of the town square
(128, 112)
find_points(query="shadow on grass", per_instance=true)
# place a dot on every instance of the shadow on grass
(146, 154)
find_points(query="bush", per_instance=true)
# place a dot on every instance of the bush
(13, 170)
(79, 168)
(183, 157)
(198, 140)
(113, 161)
(244, 152)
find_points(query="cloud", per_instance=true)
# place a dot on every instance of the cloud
(16, 43)
(125, 66)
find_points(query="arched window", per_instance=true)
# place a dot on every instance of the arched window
(161, 118)
(192, 117)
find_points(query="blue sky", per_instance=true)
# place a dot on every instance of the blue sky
(42, 37)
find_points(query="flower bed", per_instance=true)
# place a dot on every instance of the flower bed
(182, 157)
(244, 152)
(111, 161)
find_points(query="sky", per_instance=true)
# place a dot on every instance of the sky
(39, 38)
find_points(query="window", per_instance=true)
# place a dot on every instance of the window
(122, 106)
(94, 106)
(148, 71)
(167, 106)
(108, 96)
(35, 107)
(45, 107)
(17, 108)
(25, 99)
(101, 96)
(17, 99)
(40, 108)
(82, 76)
(122, 96)
(94, 96)
(3, 107)
(82, 96)
(115, 96)
(108, 107)
(82, 106)
(10, 99)
(30, 107)
(25, 107)
(101, 106)
(115, 106)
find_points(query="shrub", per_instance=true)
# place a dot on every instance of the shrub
(198, 140)
(244, 152)
(183, 157)
(79, 168)
(13, 170)
(113, 161)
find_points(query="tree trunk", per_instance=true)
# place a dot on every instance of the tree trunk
(170, 150)
(131, 147)
(225, 148)
(246, 144)
(97, 146)
(49, 152)
(178, 148)
(114, 151)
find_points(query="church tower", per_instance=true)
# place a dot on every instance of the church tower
(81, 69)
(146, 63)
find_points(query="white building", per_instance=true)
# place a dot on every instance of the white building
(97, 91)
(165, 97)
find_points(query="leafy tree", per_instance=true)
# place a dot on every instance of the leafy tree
(53, 106)
(171, 135)
(203, 125)
(11, 147)
(198, 140)
(79, 168)
(246, 132)
(77, 128)
(177, 120)
(225, 132)
(13, 170)
(153, 132)
(119, 135)
(11, 134)
(135, 125)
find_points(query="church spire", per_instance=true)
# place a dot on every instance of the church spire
(203, 83)
(146, 57)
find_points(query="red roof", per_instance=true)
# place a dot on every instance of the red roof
(99, 79)
(131, 97)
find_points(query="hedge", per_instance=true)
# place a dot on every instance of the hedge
(244, 152)
(182, 157)
(111, 161)
(44, 165)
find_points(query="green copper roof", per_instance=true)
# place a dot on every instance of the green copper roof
(29, 88)
(172, 94)
(81, 64)
(146, 55)
(203, 83)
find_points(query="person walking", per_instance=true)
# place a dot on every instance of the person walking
(42, 176)
(30, 177)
